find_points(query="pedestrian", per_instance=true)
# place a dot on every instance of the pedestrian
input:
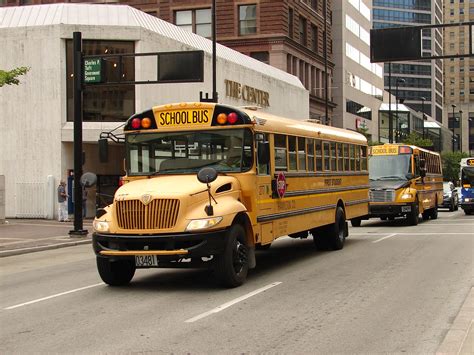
(62, 202)
(84, 201)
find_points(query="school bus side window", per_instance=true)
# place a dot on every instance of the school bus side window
(347, 165)
(363, 152)
(280, 152)
(340, 157)
(292, 152)
(333, 156)
(319, 155)
(327, 156)
(301, 154)
(357, 157)
(262, 169)
(310, 151)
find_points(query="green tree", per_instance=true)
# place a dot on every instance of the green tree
(11, 77)
(415, 139)
(365, 132)
(451, 164)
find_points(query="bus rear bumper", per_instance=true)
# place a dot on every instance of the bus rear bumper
(167, 248)
(390, 210)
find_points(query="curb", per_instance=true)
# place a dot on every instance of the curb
(459, 338)
(13, 252)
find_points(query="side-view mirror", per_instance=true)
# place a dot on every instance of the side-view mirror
(103, 150)
(263, 152)
(88, 179)
(207, 175)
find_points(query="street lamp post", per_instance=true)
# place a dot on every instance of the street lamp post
(423, 115)
(397, 135)
(454, 120)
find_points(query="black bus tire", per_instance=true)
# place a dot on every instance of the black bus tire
(412, 217)
(232, 265)
(434, 212)
(355, 222)
(115, 273)
(336, 232)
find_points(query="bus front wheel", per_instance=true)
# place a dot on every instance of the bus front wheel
(115, 273)
(414, 213)
(232, 265)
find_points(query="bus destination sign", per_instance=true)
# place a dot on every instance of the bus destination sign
(384, 150)
(93, 70)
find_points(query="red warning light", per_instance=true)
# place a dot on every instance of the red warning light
(136, 123)
(232, 117)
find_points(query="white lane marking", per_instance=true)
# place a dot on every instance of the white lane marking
(53, 296)
(386, 237)
(231, 303)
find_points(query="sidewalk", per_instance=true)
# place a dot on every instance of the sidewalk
(20, 236)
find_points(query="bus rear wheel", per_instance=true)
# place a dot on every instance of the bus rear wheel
(115, 273)
(355, 222)
(332, 236)
(434, 212)
(232, 265)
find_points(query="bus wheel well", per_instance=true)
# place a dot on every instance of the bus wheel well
(242, 219)
(341, 204)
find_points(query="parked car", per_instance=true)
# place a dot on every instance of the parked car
(450, 196)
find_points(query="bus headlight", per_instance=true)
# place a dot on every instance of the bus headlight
(197, 224)
(100, 226)
(407, 196)
(467, 199)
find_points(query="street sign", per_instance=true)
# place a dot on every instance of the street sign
(93, 70)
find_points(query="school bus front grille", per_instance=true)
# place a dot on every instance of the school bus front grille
(158, 214)
(382, 195)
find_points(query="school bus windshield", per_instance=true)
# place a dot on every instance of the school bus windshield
(389, 167)
(226, 150)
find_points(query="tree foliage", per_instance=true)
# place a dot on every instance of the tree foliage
(11, 77)
(415, 139)
(451, 164)
(365, 132)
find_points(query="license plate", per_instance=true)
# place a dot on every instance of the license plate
(406, 208)
(146, 260)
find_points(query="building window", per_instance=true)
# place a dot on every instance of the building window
(314, 38)
(247, 19)
(303, 35)
(290, 22)
(104, 103)
(359, 110)
(261, 56)
(196, 21)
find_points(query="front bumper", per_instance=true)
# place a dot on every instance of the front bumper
(167, 247)
(392, 210)
(446, 202)
(467, 206)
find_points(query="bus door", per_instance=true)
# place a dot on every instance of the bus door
(264, 187)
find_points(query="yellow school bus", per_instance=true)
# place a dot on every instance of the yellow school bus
(206, 184)
(405, 181)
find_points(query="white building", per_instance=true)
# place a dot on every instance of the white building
(358, 83)
(36, 138)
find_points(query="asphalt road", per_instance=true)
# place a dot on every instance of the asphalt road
(392, 289)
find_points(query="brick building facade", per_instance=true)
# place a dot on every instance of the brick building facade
(287, 34)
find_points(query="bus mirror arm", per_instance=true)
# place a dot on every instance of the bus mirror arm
(206, 176)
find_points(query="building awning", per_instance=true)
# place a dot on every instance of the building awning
(431, 124)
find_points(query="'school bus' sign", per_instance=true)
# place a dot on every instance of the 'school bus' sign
(93, 70)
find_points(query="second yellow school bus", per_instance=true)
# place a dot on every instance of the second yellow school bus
(405, 180)
(207, 184)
